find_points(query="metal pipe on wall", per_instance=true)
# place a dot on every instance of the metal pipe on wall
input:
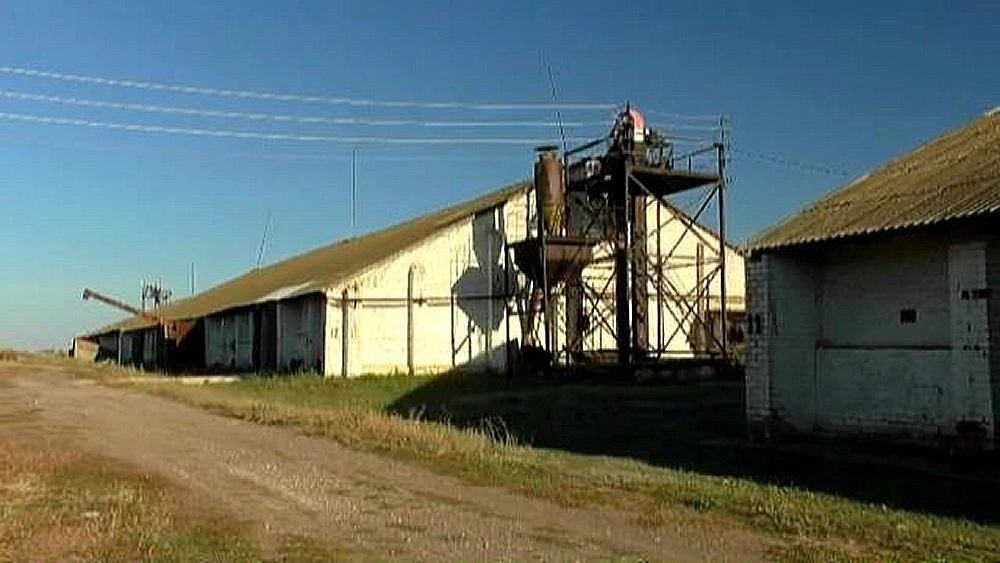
(410, 311)
(701, 296)
(659, 274)
(490, 288)
(508, 367)
(451, 320)
(345, 334)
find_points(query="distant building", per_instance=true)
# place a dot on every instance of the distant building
(876, 310)
(428, 295)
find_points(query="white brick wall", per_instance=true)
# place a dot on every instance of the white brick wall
(758, 354)
(885, 390)
(794, 329)
(873, 371)
(866, 285)
(835, 353)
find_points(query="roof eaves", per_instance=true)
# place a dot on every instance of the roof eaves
(812, 239)
(909, 191)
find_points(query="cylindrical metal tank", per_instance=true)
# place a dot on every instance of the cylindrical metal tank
(551, 191)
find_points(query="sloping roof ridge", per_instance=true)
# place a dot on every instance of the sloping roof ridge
(355, 240)
(816, 205)
(826, 202)
(442, 213)
(488, 201)
(439, 219)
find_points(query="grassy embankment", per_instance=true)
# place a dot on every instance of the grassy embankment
(818, 510)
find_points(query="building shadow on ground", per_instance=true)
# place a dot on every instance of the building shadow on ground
(699, 426)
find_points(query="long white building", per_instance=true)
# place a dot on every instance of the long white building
(425, 296)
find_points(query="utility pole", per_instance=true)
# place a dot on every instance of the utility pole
(354, 191)
(722, 235)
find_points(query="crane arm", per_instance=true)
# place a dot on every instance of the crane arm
(91, 294)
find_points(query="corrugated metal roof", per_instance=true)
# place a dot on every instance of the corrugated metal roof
(319, 268)
(954, 176)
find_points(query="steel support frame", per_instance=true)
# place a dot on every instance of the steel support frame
(633, 273)
(674, 296)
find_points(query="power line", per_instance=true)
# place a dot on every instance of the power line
(254, 116)
(776, 159)
(682, 117)
(49, 120)
(273, 96)
(25, 141)
(686, 127)
(257, 116)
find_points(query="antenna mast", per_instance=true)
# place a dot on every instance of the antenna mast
(562, 131)
(260, 251)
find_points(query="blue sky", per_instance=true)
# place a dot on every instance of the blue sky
(843, 86)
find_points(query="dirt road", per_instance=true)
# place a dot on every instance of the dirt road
(283, 482)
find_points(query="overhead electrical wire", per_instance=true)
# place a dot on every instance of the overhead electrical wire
(309, 119)
(256, 116)
(16, 140)
(686, 127)
(681, 116)
(776, 159)
(50, 120)
(321, 120)
(308, 99)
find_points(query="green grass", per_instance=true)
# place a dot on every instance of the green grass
(819, 511)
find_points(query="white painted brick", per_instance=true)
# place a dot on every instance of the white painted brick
(836, 354)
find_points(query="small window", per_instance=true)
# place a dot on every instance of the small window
(907, 316)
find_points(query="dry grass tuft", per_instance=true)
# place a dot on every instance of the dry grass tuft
(359, 426)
